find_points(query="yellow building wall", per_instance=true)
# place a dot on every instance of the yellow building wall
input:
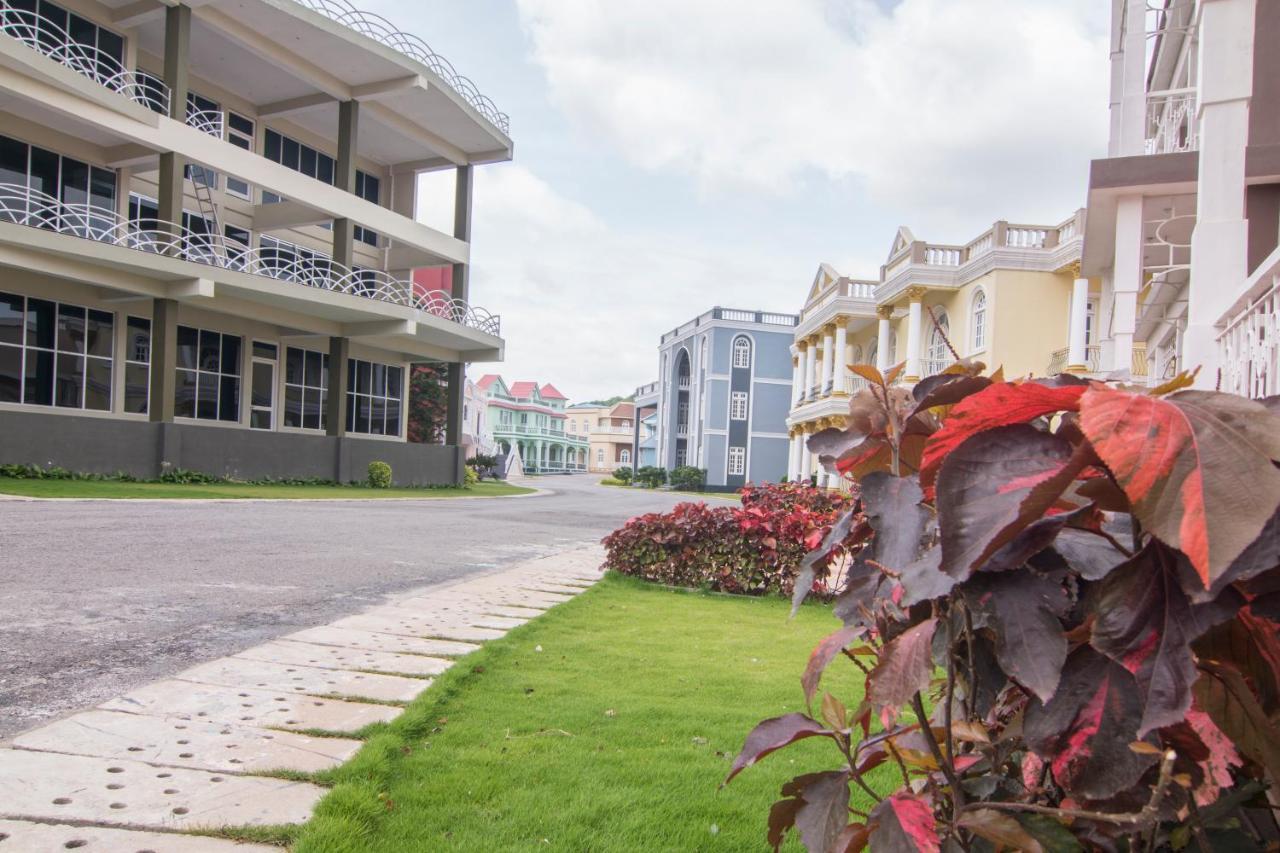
(1029, 320)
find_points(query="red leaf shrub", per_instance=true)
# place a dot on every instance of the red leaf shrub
(752, 550)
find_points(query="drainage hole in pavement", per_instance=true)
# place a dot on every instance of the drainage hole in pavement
(180, 810)
(216, 779)
(245, 719)
(117, 805)
(115, 769)
(74, 843)
(135, 749)
(163, 775)
(186, 754)
(184, 742)
(202, 713)
(61, 801)
(243, 695)
(236, 761)
(114, 786)
(290, 722)
(171, 790)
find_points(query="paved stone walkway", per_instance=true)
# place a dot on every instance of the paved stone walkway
(192, 752)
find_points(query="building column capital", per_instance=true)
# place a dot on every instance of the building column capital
(802, 344)
(842, 322)
(885, 312)
(915, 293)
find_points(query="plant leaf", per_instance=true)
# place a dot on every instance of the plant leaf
(893, 509)
(903, 824)
(1221, 756)
(1001, 829)
(1182, 459)
(1052, 835)
(824, 810)
(1000, 404)
(853, 839)
(994, 486)
(1144, 622)
(1023, 608)
(924, 579)
(808, 566)
(823, 654)
(1084, 732)
(1225, 696)
(905, 666)
(869, 372)
(946, 390)
(782, 816)
(1091, 555)
(894, 372)
(773, 734)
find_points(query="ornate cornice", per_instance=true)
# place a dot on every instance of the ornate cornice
(885, 312)
(842, 322)
(915, 293)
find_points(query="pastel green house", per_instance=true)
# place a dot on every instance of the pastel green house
(530, 419)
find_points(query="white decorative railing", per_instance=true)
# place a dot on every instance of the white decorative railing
(384, 32)
(1249, 347)
(206, 121)
(1171, 121)
(980, 246)
(24, 206)
(48, 38)
(942, 256)
(854, 383)
(932, 367)
(1023, 237)
(1068, 231)
(1058, 360)
(684, 384)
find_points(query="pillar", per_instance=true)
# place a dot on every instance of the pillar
(806, 458)
(177, 65)
(335, 412)
(462, 198)
(164, 360)
(798, 384)
(1127, 282)
(1129, 82)
(797, 357)
(797, 447)
(884, 356)
(344, 178)
(841, 356)
(915, 295)
(828, 359)
(1077, 342)
(810, 361)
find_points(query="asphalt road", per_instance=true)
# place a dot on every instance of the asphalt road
(99, 597)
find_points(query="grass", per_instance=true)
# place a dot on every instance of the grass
(614, 737)
(116, 489)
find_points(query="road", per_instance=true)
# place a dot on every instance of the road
(99, 597)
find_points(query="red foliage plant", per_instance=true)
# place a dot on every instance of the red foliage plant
(1062, 597)
(755, 549)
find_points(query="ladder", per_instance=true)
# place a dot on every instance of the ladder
(209, 211)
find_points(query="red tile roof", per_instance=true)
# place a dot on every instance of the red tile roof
(487, 380)
(521, 390)
(552, 393)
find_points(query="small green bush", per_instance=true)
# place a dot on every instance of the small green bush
(470, 476)
(686, 478)
(623, 474)
(379, 475)
(187, 478)
(612, 481)
(651, 476)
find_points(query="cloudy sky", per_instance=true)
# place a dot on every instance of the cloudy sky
(674, 155)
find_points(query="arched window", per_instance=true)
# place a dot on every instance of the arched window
(600, 456)
(872, 351)
(978, 320)
(856, 356)
(625, 457)
(938, 355)
(742, 352)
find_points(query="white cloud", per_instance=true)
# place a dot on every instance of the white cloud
(942, 109)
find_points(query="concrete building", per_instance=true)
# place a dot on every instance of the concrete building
(644, 443)
(531, 419)
(207, 225)
(610, 431)
(476, 436)
(1004, 298)
(725, 380)
(1184, 212)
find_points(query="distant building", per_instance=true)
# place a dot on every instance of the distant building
(644, 442)
(725, 389)
(530, 418)
(609, 430)
(476, 435)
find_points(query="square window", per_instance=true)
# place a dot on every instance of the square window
(10, 319)
(37, 389)
(69, 391)
(97, 384)
(137, 387)
(185, 394)
(10, 374)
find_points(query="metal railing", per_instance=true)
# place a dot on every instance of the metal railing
(211, 122)
(381, 30)
(1249, 343)
(52, 40)
(547, 432)
(23, 206)
(1058, 360)
(933, 366)
(1171, 121)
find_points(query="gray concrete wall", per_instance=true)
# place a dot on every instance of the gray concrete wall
(109, 445)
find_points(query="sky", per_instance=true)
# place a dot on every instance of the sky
(676, 155)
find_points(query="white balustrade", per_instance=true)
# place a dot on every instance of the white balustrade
(1022, 237)
(942, 256)
(1249, 346)
(1171, 121)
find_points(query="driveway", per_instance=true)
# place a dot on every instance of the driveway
(99, 597)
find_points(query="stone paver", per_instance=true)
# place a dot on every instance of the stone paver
(181, 753)
(23, 837)
(185, 743)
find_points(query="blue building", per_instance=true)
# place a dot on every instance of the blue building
(723, 395)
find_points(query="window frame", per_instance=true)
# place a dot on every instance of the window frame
(979, 316)
(741, 345)
(356, 378)
(60, 350)
(737, 462)
(228, 386)
(738, 405)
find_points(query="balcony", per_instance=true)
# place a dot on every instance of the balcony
(541, 432)
(23, 206)
(50, 39)
(1171, 121)
(1058, 360)
(1249, 343)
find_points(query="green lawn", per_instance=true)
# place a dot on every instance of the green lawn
(614, 737)
(116, 489)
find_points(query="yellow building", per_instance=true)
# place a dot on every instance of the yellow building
(1007, 298)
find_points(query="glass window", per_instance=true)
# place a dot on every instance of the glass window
(737, 461)
(137, 365)
(63, 359)
(208, 375)
(374, 398)
(240, 134)
(979, 321)
(939, 352)
(306, 384)
(742, 352)
(738, 406)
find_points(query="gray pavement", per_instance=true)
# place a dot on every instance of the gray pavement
(100, 597)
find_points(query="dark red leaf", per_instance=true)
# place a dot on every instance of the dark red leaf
(782, 816)
(819, 554)
(1145, 622)
(998, 405)
(773, 734)
(824, 808)
(1023, 609)
(1091, 555)
(1182, 459)
(893, 509)
(903, 824)
(823, 654)
(1001, 829)
(946, 389)
(1225, 696)
(1084, 732)
(994, 486)
(905, 666)
(853, 839)
(924, 579)
(1262, 555)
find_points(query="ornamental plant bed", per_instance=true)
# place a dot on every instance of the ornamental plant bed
(753, 549)
(1062, 602)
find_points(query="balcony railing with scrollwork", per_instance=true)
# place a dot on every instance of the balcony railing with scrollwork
(384, 32)
(1171, 121)
(24, 206)
(48, 38)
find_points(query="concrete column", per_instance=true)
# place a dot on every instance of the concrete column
(177, 64)
(164, 360)
(335, 412)
(462, 204)
(1129, 80)
(1128, 281)
(806, 459)
(799, 385)
(828, 359)
(344, 178)
(1220, 241)
(797, 357)
(793, 464)
(884, 356)
(841, 355)
(913, 336)
(810, 364)
(1077, 350)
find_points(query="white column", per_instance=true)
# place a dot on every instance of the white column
(810, 366)
(1129, 82)
(797, 447)
(884, 358)
(913, 341)
(1128, 281)
(841, 355)
(797, 358)
(828, 359)
(1219, 243)
(1077, 349)
(806, 459)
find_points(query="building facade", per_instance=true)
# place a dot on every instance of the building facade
(1006, 298)
(208, 237)
(723, 396)
(610, 431)
(1184, 212)
(644, 443)
(530, 419)
(477, 438)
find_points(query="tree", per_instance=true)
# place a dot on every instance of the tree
(428, 402)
